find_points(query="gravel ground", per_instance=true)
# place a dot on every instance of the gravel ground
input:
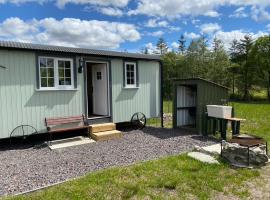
(24, 169)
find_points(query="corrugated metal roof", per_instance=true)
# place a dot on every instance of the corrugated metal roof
(198, 79)
(41, 47)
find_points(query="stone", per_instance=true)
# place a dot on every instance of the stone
(203, 157)
(214, 149)
(238, 155)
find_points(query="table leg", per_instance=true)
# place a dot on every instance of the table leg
(237, 131)
(224, 124)
(233, 127)
(248, 157)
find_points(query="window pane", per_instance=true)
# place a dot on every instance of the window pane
(50, 82)
(132, 81)
(67, 64)
(61, 81)
(50, 62)
(68, 81)
(50, 72)
(43, 72)
(42, 62)
(67, 73)
(43, 82)
(61, 64)
(128, 74)
(61, 72)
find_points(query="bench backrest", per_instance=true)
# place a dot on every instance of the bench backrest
(50, 122)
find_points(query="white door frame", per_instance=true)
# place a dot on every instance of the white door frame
(108, 87)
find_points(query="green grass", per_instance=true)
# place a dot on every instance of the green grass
(258, 118)
(155, 122)
(175, 177)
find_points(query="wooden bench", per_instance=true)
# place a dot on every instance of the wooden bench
(64, 124)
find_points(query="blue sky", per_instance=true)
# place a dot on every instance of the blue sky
(130, 25)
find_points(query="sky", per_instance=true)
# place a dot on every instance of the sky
(131, 25)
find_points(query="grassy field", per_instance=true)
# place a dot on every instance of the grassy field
(175, 177)
(258, 118)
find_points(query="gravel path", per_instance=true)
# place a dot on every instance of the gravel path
(24, 169)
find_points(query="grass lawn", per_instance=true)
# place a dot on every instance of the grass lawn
(258, 118)
(175, 177)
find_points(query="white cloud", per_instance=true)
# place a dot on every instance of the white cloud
(174, 45)
(153, 23)
(260, 14)
(191, 35)
(228, 37)
(114, 3)
(268, 27)
(195, 21)
(178, 8)
(22, 1)
(210, 28)
(157, 33)
(69, 32)
(212, 14)
(151, 48)
(239, 13)
(110, 11)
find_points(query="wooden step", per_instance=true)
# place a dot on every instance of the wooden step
(106, 135)
(95, 128)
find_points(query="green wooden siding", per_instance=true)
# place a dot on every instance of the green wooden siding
(145, 99)
(21, 103)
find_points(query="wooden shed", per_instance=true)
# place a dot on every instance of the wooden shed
(190, 99)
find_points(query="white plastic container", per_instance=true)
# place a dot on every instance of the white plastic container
(219, 111)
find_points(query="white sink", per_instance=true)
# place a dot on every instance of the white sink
(219, 111)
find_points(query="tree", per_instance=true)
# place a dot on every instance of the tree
(218, 62)
(261, 51)
(182, 44)
(146, 51)
(217, 45)
(162, 46)
(240, 53)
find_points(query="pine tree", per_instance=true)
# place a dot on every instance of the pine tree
(146, 51)
(182, 44)
(162, 46)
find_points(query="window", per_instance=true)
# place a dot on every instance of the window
(99, 76)
(56, 73)
(130, 75)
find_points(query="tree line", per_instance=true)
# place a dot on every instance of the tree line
(244, 67)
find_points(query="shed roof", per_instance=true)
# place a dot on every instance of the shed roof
(83, 51)
(199, 79)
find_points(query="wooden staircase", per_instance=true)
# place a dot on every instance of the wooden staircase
(106, 131)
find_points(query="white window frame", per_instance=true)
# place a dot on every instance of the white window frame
(56, 74)
(135, 75)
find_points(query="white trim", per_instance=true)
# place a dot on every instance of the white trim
(56, 75)
(128, 86)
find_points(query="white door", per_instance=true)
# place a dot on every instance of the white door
(100, 89)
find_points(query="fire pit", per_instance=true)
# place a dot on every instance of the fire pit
(245, 150)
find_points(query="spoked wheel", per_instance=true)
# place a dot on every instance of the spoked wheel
(138, 121)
